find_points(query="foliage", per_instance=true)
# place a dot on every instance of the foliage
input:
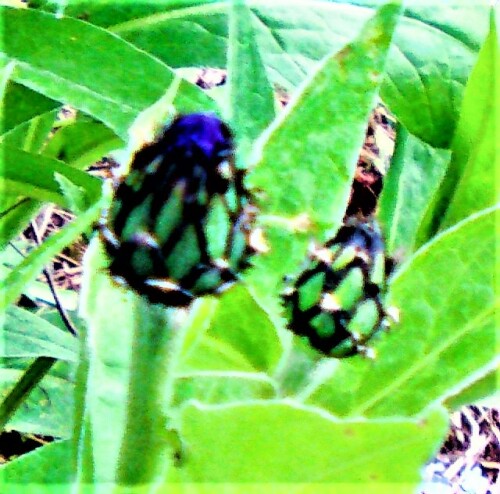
(223, 392)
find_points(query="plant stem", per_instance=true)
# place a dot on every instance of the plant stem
(146, 450)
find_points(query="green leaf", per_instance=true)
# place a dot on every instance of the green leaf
(45, 410)
(447, 301)
(75, 197)
(82, 143)
(479, 392)
(80, 69)
(29, 335)
(415, 175)
(213, 354)
(425, 80)
(251, 94)
(32, 134)
(12, 285)
(5, 73)
(239, 336)
(24, 334)
(313, 145)
(79, 145)
(476, 144)
(43, 470)
(33, 175)
(21, 104)
(15, 214)
(19, 392)
(196, 325)
(242, 323)
(306, 162)
(223, 387)
(286, 442)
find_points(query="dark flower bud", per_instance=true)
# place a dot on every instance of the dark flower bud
(336, 301)
(180, 222)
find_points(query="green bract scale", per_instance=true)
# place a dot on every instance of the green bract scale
(180, 221)
(336, 301)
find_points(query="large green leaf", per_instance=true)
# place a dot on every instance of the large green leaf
(285, 442)
(433, 53)
(425, 78)
(251, 94)
(81, 67)
(447, 302)
(307, 157)
(415, 175)
(476, 144)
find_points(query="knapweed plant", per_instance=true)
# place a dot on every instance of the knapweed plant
(234, 325)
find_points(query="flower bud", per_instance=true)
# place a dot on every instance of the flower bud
(336, 300)
(180, 221)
